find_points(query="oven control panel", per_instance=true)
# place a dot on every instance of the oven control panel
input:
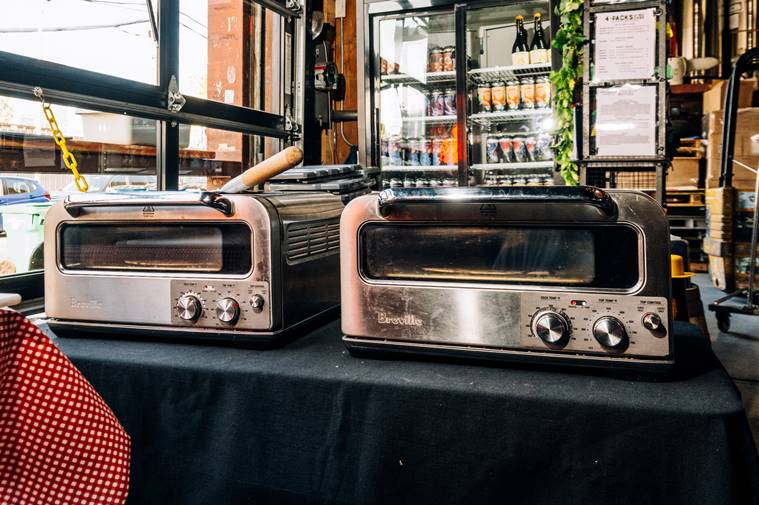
(226, 305)
(592, 323)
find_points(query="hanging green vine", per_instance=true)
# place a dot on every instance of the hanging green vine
(569, 39)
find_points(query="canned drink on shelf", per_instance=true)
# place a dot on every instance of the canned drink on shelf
(490, 180)
(543, 147)
(412, 158)
(527, 92)
(449, 183)
(484, 97)
(385, 184)
(394, 151)
(505, 181)
(535, 181)
(498, 96)
(520, 181)
(512, 95)
(507, 152)
(396, 183)
(450, 102)
(435, 183)
(437, 151)
(519, 149)
(542, 93)
(396, 68)
(449, 59)
(491, 149)
(436, 60)
(385, 150)
(529, 144)
(428, 103)
(383, 66)
(438, 103)
(419, 183)
(548, 181)
(408, 183)
(425, 152)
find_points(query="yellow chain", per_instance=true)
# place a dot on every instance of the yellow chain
(68, 156)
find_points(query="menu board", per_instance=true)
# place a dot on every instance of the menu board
(626, 121)
(625, 45)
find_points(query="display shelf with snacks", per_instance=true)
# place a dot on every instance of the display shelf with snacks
(492, 74)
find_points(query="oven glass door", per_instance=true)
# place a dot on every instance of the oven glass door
(219, 248)
(598, 257)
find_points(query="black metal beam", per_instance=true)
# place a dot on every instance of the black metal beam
(167, 140)
(74, 87)
(461, 94)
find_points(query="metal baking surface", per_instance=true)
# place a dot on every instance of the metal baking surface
(253, 266)
(582, 306)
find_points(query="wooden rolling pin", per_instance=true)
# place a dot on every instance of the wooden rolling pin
(268, 168)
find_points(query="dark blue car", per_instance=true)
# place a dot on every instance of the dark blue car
(15, 190)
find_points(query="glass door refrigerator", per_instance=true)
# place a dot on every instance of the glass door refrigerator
(456, 94)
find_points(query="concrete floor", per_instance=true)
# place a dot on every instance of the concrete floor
(738, 350)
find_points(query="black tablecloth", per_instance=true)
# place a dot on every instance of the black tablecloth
(311, 424)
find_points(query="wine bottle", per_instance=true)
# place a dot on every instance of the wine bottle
(539, 52)
(520, 51)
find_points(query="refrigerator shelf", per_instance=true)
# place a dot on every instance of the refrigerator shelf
(487, 75)
(529, 165)
(430, 119)
(429, 78)
(421, 168)
(490, 118)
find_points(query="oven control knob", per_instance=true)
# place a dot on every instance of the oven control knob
(653, 323)
(189, 307)
(257, 303)
(611, 333)
(228, 310)
(551, 327)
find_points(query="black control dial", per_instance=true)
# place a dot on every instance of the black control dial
(551, 327)
(611, 333)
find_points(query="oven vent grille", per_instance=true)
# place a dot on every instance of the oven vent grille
(305, 240)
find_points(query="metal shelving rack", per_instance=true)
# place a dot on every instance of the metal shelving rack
(605, 170)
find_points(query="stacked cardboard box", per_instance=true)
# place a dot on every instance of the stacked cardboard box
(726, 244)
(746, 151)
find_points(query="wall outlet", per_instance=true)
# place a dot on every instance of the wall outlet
(339, 9)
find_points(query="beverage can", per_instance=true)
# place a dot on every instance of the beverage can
(425, 153)
(527, 92)
(385, 150)
(484, 97)
(512, 95)
(437, 150)
(449, 183)
(438, 103)
(491, 149)
(449, 103)
(419, 183)
(428, 103)
(543, 147)
(412, 158)
(408, 183)
(498, 96)
(534, 181)
(449, 59)
(436, 60)
(385, 184)
(394, 152)
(383, 66)
(542, 93)
(529, 144)
(507, 154)
(396, 183)
(520, 181)
(435, 183)
(519, 149)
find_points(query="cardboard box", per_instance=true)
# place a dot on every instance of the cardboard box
(683, 174)
(743, 179)
(714, 99)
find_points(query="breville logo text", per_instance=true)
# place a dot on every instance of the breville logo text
(407, 320)
(85, 304)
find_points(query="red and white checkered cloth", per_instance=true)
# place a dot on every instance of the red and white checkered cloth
(59, 442)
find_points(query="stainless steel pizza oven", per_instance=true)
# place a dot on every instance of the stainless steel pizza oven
(241, 267)
(561, 274)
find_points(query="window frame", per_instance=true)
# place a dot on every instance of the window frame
(71, 86)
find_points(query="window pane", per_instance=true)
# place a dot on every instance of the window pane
(114, 153)
(213, 157)
(113, 38)
(230, 52)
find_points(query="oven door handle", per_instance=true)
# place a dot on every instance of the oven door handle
(210, 199)
(390, 199)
